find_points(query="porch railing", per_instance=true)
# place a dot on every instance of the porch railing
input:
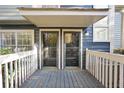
(106, 67)
(16, 68)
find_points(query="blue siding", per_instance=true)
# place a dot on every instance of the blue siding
(88, 42)
(117, 32)
(76, 6)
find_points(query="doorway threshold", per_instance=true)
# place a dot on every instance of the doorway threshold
(72, 68)
(49, 68)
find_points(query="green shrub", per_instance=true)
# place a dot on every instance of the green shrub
(4, 51)
(119, 51)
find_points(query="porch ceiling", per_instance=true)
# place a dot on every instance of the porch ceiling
(45, 17)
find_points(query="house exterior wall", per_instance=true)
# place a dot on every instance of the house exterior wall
(117, 32)
(88, 42)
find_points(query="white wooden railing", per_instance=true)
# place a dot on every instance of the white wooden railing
(16, 68)
(106, 67)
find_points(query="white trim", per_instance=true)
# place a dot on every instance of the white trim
(70, 13)
(81, 50)
(59, 51)
(15, 30)
(62, 50)
(40, 53)
(40, 44)
(71, 30)
(47, 29)
(81, 46)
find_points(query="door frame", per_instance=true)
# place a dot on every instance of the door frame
(81, 46)
(41, 47)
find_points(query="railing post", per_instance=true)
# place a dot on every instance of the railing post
(1, 80)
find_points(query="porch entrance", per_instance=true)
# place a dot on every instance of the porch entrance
(50, 45)
(71, 48)
(60, 48)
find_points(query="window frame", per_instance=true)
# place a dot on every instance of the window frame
(15, 31)
(99, 26)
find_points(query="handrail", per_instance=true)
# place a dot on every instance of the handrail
(16, 68)
(107, 68)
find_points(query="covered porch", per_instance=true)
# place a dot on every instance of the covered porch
(102, 70)
(26, 69)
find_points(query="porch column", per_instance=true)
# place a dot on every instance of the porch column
(122, 30)
(111, 20)
(36, 44)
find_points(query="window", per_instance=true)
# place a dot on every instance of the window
(100, 31)
(16, 40)
(100, 6)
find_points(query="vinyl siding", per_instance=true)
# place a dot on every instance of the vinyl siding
(88, 42)
(117, 32)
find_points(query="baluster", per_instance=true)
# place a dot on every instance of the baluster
(121, 83)
(110, 74)
(11, 74)
(106, 72)
(32, 60)
(97, 67)
(29, 65)
(87, 61)
(103, 65)
(16, 74)
(1, 80)
(90, 65)
(26, 62)
(24, 68)
(6, 76)
(20, 71)
(115, 74)
(93, 65)
(100, 60)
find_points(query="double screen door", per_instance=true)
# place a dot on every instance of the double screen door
(60, 48)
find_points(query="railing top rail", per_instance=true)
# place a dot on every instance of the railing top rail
(109, 56)
(11, 57)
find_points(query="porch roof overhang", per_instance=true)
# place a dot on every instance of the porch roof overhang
(59, 17)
